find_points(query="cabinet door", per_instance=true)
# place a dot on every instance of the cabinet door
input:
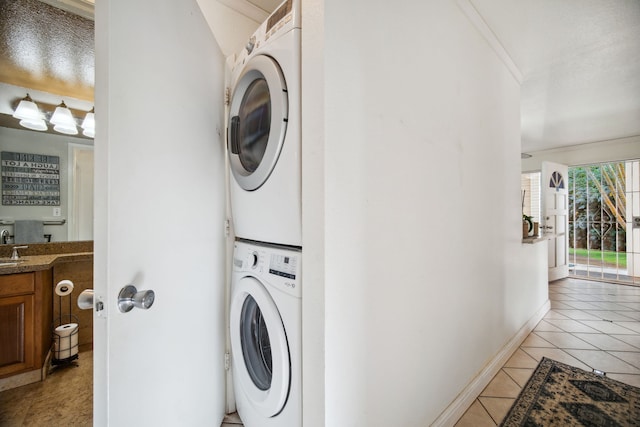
(16, 334)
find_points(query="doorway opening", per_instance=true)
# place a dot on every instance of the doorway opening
(603, 242)
(604, 219)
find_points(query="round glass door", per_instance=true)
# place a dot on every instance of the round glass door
(257, 124)
(256, 347)
(255, 116)
(261, 362)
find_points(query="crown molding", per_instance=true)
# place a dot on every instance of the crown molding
(84, 8)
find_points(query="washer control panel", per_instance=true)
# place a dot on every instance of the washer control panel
(283, 265)
(276, 266)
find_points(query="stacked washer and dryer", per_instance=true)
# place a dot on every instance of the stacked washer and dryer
(263, 144)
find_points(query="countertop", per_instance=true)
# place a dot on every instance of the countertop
(536, 239)
(42, 256)
(29, 263)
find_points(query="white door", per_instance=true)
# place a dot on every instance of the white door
(81, 192)
(159, 215)
(555, 214)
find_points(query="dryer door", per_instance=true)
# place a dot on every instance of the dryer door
(261, 361)
(257, 125)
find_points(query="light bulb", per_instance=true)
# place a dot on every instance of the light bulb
(27, 110)
(63, 120)
(89, 124)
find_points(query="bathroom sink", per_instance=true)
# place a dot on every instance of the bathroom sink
(9, 263)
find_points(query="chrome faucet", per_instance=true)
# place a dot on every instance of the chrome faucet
(15, 255)
(4, 236)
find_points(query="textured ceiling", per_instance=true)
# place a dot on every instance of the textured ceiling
(47, 49)
(580, 63)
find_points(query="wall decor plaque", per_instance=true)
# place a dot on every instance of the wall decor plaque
(30, 179)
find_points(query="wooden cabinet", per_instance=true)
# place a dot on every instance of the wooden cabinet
(25, 321)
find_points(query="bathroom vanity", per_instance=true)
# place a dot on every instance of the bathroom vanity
(27, 309)
(25, 321)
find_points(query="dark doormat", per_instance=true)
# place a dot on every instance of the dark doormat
(562, 395)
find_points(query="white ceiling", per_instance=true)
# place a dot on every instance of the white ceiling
(233, 21)
(258, 10)
(580, 62)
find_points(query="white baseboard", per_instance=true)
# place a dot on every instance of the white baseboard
(459, 406)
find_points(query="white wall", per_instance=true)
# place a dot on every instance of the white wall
(423, 275)
(159, 215)
(313, 214)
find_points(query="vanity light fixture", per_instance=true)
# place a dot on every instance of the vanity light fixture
(39, 125)
(29, 115)
(89, 124)
(63, 120)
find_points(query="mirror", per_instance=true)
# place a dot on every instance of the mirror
(72, 219)
(47, 49)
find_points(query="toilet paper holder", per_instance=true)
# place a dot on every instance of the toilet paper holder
(129, 297)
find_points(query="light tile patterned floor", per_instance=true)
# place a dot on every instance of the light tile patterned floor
(591, 325)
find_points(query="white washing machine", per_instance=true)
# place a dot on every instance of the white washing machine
(263, 132)
(265, 321)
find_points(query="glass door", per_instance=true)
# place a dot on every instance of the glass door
(261, 362)
(602, 201)
(257, 124)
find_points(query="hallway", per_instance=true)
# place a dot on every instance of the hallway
(591, 325)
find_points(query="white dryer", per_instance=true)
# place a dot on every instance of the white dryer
(266, 334)
(263, 132)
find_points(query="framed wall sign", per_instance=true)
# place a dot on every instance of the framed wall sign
(30, 179)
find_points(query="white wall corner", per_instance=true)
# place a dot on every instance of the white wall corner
(487, 33)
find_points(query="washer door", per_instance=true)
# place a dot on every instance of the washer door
(258, 115)
(259, 345)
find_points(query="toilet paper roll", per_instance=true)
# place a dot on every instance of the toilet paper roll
(85, 299)
(65, 342)
(64, 287)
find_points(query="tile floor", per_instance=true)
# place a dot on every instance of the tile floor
(231, 420)
(591, 325)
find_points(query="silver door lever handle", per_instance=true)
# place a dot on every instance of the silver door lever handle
(129, 297)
